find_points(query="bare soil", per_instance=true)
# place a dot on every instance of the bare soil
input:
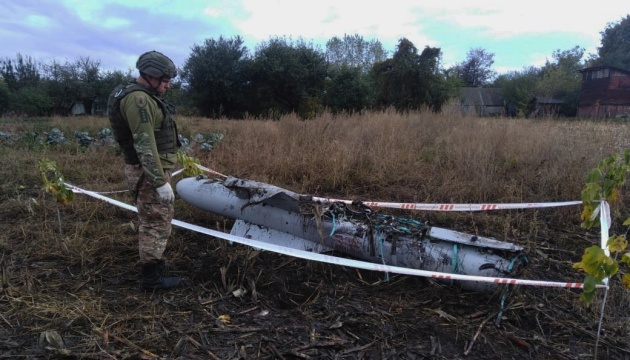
(239, 303)
(70, 273)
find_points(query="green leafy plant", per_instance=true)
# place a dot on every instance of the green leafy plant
(604, 183)
(189, 163)
(55, 184)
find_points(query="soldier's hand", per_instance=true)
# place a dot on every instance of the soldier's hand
(165, 193)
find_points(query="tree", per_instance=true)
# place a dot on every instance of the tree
(476, 70)
(19, 73)
(4, 97)
(410, 80)
(215, 76)
(615, 45)
(347, 90)
(70, 82)
(354, 51)
(31, 100)
(88, 75)
(519, 87)
(561, 79)
(62, 85)
(286, 77)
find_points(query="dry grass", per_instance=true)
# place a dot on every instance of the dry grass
(78, 277)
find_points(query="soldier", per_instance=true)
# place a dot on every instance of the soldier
(144, 127)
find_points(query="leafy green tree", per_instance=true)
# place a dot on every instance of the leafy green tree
(476, 70)
(4, 96)
(178, 96)
(88, 75)
(61, 84)
(70, 82)
(20, 72)
(615, 45)
(410, 80)
(286, 77)
(33, 101)
(215, 74)
(354, 51)
(561, 79)
(453, 83)
(519, 87)
(347, 90)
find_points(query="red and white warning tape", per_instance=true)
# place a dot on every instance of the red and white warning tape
(201, 167)
(430, 207)
(454, 207)
(341, 261)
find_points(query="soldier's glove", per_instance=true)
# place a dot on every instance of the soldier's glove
(165, 193)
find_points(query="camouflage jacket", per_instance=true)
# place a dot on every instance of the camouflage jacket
(144, 126)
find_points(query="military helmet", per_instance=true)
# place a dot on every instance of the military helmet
(156, 64)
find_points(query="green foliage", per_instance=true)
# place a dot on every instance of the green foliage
(604, 183)
(476, 70)
(88, 82)
(284, 76)
(23, 80)
(347, 90)
(561, 79)
(48, 89)
(33, 101)
(409, 80)
(352, 51)
(615, 45)
(70, 82)
(4, 96)
(20, 72)
(519, 87)
(61, 85)
(55, 185)
(189, 163)
(215, 73)
(221, 79)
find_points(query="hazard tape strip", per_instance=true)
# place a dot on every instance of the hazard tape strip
(201, 167)
(429, 207)
(337, 260)
(453, 207)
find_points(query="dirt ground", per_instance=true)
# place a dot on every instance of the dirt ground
(72, 291)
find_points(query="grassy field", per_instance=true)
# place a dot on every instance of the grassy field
(70, 272)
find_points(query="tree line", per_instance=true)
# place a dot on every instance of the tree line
(223, 78)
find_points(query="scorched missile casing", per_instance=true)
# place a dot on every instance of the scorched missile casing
(271, 214)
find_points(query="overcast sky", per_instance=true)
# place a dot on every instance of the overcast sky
(115, 32)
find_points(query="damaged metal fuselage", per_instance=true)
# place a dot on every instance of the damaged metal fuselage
(274, 215)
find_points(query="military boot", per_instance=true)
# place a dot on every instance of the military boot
(152, 279)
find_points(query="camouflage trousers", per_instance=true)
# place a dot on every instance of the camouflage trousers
(154, 217)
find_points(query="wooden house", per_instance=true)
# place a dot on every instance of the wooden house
(605, 93)
(544, 106)
(482, 101)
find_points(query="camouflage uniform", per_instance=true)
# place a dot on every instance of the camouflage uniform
(154, 227)
(144, 127)
(145, 117)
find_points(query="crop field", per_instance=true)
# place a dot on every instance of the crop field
(70, 272)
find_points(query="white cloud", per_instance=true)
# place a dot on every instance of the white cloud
(518, 33)
(387, 22)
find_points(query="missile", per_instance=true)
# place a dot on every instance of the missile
(271, 214)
